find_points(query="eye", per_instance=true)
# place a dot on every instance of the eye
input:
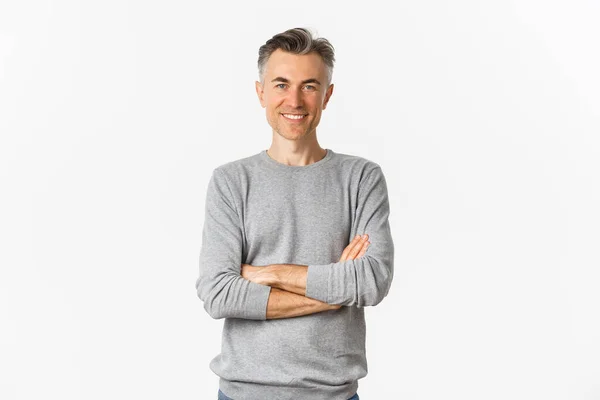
(310, 86)
(280, 84)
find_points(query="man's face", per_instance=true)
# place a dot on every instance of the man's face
(294, 93)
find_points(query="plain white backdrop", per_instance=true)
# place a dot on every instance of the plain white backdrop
(485, 118)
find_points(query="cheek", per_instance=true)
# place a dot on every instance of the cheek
(273, 106)
(316, 103)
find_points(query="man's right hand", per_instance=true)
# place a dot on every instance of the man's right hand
(356, 248)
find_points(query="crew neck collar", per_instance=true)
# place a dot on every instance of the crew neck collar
(264, 156)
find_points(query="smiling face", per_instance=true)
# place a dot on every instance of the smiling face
(294, 93)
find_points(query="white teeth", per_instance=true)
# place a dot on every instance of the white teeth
(292, 116)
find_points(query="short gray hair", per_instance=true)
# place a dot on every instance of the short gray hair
(296, 41)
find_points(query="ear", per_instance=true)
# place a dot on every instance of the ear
(328, 95)
(260, 93)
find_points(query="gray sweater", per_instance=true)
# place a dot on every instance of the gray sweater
(261, 212)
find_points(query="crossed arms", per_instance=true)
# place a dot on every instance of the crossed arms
(288, 284)
(230, 289)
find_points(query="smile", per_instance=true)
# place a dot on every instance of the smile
(294, 116)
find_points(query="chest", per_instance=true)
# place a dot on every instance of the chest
(298, 218)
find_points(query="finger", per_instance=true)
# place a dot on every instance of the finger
(354, 247)
(349, 247)
(363, 250)
(357, 247)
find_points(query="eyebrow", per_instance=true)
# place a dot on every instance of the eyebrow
(282, 79)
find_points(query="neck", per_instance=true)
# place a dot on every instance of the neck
(294, 155)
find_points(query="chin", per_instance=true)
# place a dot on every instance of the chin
(290, 135)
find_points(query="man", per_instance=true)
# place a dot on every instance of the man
(276, 223)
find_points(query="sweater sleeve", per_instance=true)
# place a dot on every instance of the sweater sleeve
(364, 281)
(224, 292)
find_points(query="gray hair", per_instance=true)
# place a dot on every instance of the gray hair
(296, 41)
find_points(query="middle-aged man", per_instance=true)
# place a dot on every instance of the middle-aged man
(283, 258)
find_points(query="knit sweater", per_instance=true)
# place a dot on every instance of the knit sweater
(259, 211)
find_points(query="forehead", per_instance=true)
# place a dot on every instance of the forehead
(295, 66)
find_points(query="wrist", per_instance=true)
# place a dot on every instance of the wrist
(288, 277)
(274, 275)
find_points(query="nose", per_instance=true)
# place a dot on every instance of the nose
(294, 98)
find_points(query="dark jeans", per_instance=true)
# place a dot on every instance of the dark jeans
(223, 397)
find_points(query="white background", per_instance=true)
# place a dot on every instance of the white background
(483, 115)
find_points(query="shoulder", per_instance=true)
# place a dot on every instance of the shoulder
(357, 165)
(232, 170)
